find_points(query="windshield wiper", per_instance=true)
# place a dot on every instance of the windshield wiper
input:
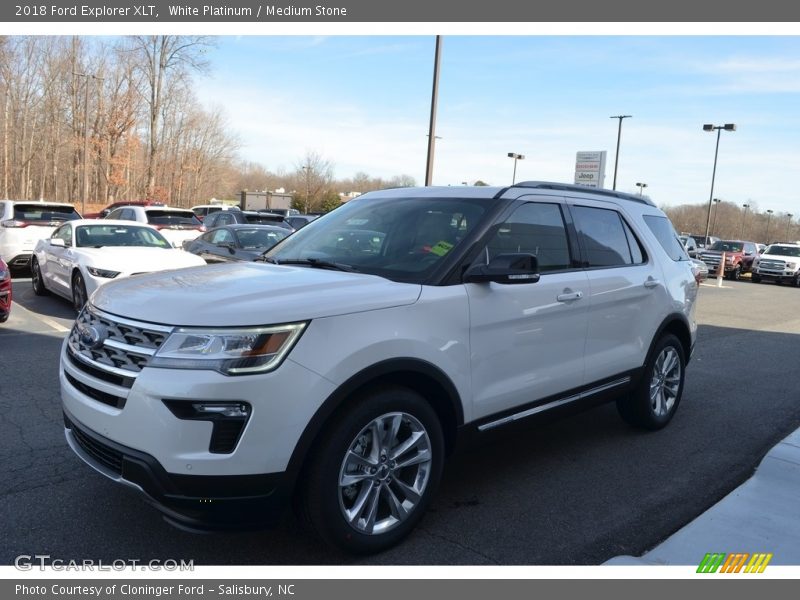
(317, 263)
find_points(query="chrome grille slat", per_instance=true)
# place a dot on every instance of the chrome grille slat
(127, 348)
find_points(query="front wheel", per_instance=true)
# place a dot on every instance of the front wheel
(736, 274)
(376, 469)
(79, 295)
(652, 404)
(756, 278)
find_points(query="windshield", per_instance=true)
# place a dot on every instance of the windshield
(98, 236)
(727, 246)
(793, 251)
(402, 239)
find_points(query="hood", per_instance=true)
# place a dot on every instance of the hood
(245, 294)
(139, 260)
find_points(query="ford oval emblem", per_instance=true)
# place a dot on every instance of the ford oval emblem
(93, 336)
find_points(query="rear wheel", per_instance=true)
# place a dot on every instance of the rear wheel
(375, 472)
(652, 404)
(79, 295)
(36, 278)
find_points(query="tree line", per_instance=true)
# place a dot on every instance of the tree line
(732, 221)
(97, 120)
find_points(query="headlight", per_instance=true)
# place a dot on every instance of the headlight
(4, 274)
(102, 273)
(791, 266)
(228, 351)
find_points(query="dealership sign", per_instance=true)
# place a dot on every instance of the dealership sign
(590, 168)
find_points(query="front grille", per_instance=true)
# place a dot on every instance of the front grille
(712, 260)
(772, 265)
(105, 455)
(112, 344)
(98, 373)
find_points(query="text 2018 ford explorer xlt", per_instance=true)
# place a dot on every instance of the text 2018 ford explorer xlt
(340, 371)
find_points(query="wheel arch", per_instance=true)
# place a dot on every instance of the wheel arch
(418, 375)
(677, 325)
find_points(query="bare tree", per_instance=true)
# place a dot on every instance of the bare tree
(313, 177)
(165, 59)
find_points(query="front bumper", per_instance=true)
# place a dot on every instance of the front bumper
(197, 503)
(782, 276)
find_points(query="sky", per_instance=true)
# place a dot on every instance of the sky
(363, 103)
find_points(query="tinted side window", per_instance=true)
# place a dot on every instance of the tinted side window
(535, 228)
(666, 236)
(637, 252)
(603, 236)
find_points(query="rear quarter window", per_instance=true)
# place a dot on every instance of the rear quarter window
(665, 234)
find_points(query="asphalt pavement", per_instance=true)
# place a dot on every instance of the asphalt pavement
(579, 491)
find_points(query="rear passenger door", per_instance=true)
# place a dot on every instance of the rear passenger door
(626, 292)
(527, 340)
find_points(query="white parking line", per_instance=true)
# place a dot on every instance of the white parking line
(46, 320)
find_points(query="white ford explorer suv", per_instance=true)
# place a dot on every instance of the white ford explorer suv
(340, 372)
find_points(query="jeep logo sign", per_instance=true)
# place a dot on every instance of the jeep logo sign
(590, 168)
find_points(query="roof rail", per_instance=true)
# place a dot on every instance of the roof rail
(566, 187)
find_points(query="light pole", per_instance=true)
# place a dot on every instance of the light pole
(716, 210)
(788, 223)
(434, 102)
(308, 200)
(516, 157)
(641, 187)
(744, 216)
(85, 187)
(719, 128)
(619, 135)
(766, 235)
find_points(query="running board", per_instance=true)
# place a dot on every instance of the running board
(555, 403)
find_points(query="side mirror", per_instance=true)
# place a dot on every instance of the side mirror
(505, 268)
(58, 243)
(748, 254)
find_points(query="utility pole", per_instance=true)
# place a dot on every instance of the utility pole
(619, 136)
(434, 101)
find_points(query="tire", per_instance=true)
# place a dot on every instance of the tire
(796, 281)
(79, 296)
(358, 496)
(736, 274)
(756, 278)
(36, 278)
(652, 404)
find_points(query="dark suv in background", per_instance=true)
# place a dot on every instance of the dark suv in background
(250, 217)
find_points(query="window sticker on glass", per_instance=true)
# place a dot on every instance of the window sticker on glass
(441, 248)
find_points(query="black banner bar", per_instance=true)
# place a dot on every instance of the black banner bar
(411, 11)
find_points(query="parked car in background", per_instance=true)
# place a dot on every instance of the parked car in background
(761, 248)
(203, 210)
(300, 221)
(82, 255)
(340, 374)
(739, 258)
(690, 244)
(286, 212)
(251, 217)
(114, 205)
(779, 263)
(22, 224)
(5, 291)
(176, 224)
(704, 242)
(235, 242)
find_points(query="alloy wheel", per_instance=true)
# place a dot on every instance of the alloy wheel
(665, 381)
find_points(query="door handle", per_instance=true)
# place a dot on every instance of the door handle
(569, 296)
(651, 283)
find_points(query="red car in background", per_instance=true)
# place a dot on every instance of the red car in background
(5, 291)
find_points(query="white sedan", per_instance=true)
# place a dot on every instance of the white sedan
(82, 255)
